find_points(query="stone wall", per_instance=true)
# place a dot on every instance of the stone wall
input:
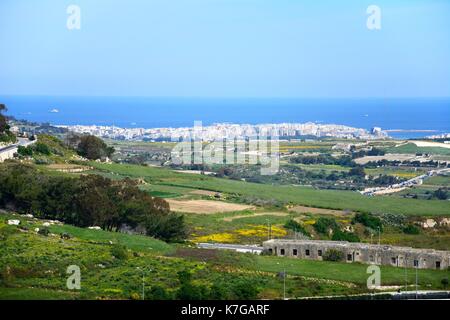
(361, 252)
(7, 154)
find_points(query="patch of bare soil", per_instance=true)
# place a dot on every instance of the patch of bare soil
(303, 209)
(205, 206)
(276, 214)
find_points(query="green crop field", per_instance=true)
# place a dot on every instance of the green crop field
(413, 149)
(343, 200)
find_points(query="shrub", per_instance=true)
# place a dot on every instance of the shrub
(296, 227)
(394, 220)
(411, 229)
(159, 293)
(119, 251)
(65, 236)
(42, 148)
(323, 225)
(188, 291)
(368, 220)
(245, 290)
(445, 283)
(333, 255)
(345, 236)
(44, 231)
(441, 194)
(25, 151)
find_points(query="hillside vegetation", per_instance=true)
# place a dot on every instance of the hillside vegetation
(33, 265)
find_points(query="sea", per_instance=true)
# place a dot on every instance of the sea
(404, 118)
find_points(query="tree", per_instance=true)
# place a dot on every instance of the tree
(5, 134)
(245, 290)
(42, 148)
(324, 225)
(25, 151)
(93, 148)
(441, 194)
(296, 227)
(87, 201)
(3, 122)
(411, 229)
(368, 220)
(187, 290)
(357, 171)
(159, 293)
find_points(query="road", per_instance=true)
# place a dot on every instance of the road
(405, 184)
(8, 152)
(233, 247)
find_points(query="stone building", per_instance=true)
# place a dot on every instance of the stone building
(361, 252)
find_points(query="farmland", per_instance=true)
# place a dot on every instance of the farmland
(332, 199)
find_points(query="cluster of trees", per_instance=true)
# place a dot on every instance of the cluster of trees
(323, 225)
(89, 147)
(5, 134)
(234, 289)
(345, 161)
(296, 227)
(326, 226)
(406, 163)
(371, 152)
(368, 220)
(441, 194)
(89, 200)
(37, 148)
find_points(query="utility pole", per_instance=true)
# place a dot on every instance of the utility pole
(143, 286)
(406, 273)
(379, 236)
(417, 279)
(143, 281)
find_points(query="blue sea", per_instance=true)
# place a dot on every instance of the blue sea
(389, 114)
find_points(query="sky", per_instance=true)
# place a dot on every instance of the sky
(225, 48)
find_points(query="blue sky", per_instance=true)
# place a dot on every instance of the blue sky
(225, 48)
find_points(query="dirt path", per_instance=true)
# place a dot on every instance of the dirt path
(302, 209)
(205, 206)
(276, 214)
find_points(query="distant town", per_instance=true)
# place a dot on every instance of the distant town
(225, 130)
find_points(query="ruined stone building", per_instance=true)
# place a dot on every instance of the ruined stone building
(361, 252)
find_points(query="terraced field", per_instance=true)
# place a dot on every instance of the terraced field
(327, 199)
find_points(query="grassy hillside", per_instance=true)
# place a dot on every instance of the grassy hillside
(297, 195)
(33, 266)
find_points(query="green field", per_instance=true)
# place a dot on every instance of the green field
(355, 273)
(342, 200)
(413, 149)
